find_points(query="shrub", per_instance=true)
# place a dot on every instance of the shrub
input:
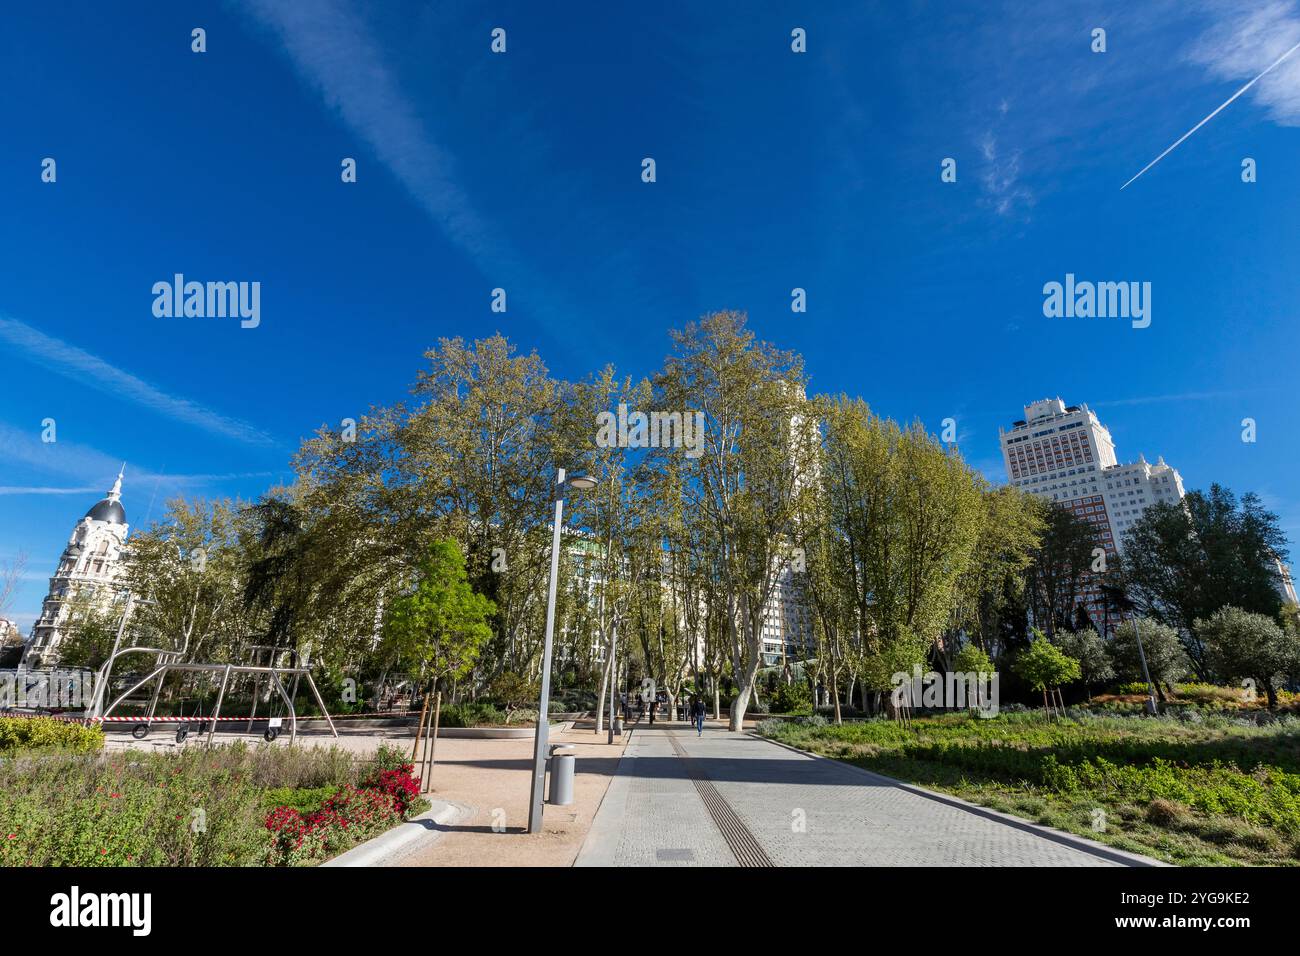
(790, 698)
(43, 733)
(470, 714)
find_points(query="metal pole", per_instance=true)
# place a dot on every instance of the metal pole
(613, 680)
(543, 726)
(1151, 692)
(321, 704)
(216, 711)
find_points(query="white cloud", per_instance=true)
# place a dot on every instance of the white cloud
(1000, 178)
(78, 364)
(1242, 43)
(333, 51)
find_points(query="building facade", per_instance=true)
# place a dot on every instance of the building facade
(1064, 454)
(90, 565)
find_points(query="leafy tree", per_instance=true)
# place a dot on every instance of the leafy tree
(991, 591)
(1087, 647)
(1184, 561)
(1166, 659)
(972, 660)
(1043, 666)
(1242, 645)
(755, 464)
(513, 692)
(903, 516)
(1060, 566)
(89, 629)
(189, 572)
(441, 626)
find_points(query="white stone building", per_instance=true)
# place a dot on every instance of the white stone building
(90, 565)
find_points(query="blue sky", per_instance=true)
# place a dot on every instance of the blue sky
(775, 170)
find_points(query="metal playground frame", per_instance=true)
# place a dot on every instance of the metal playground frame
(166, 661)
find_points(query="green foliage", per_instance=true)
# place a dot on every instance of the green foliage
(1184, 561)
(441, 626)
(1243, 645)
(1087, 647)
(1230, 790)
(1043, 665)
(471, 714)
(188, 807)
(792, 698)
(1164, 652)
(19, 734)
(972, 660)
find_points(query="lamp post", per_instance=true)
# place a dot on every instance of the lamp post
(615, 724)
(577, 483)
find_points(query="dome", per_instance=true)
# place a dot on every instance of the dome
(108, 510)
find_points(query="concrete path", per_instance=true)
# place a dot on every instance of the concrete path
(728, 799)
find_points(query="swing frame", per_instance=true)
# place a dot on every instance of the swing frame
(167, 661)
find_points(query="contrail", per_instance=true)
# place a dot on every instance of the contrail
(1214, 114)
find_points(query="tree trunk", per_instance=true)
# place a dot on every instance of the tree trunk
(419, 729)
(431, 744)
(600, 698)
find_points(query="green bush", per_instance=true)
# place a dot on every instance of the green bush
(188, 807)
(790, 698)
(42, 733)
(470, 714)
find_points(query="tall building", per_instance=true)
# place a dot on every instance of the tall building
(89, 566)
(1065, 454)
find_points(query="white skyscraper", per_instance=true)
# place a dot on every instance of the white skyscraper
(1064, 454)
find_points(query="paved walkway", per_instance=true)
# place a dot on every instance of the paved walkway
(728, 799)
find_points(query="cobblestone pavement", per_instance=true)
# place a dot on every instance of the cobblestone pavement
(728, 799)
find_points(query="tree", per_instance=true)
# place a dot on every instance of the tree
(438, 628)
(754, 464)
(902, 517)
(1184, 561)
(90, 628)
(1044, 666)
(1061, 564)
(1240, 645)
(1087, 647)
(441, 625)
(189, 572)
(1166, 660)
(972, 660)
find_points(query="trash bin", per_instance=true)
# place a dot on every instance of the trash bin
(562, 766)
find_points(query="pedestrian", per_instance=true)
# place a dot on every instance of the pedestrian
(654, 705)
(697, 713)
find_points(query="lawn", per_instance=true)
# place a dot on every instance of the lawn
(1194, 789)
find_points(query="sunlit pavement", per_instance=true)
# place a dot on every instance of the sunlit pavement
(728, 799)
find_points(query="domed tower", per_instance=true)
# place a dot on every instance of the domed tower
(89, 566)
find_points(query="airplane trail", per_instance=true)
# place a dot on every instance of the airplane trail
(1212, 115)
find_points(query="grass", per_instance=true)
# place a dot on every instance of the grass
(1209, 790)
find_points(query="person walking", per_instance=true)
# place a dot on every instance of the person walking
(697, 715)
(654, 705)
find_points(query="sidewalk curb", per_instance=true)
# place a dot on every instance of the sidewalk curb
(1079, 843)
(381, 850)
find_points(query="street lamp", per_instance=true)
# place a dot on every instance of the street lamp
(577, 483)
